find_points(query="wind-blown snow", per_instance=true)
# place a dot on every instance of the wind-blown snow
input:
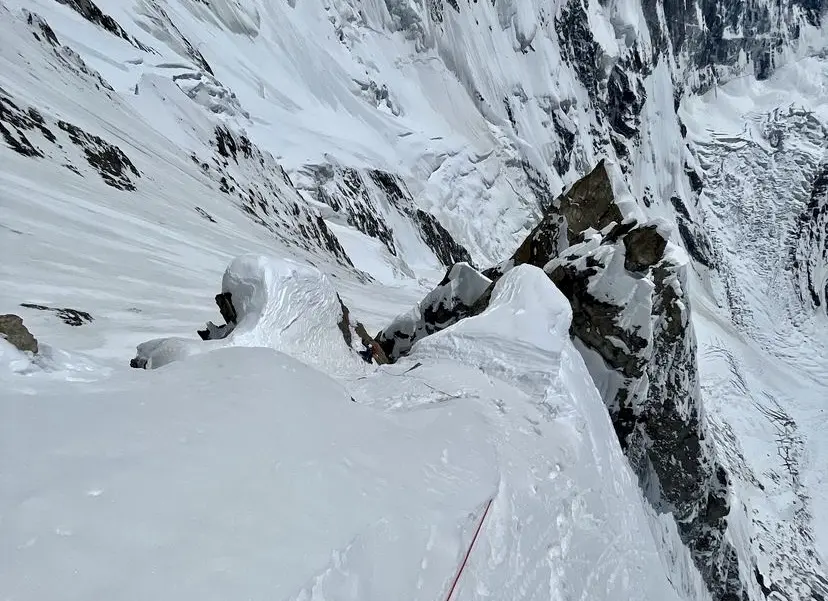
(280, 304)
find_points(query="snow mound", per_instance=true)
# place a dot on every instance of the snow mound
(280, 304)
(12, 360)
(568, 520)
(526, 310)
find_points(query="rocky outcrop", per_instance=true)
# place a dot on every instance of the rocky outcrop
(453, 299)
(695, 239)
(211, 331)
(630, 308)
(626, 285)
(68, 58)
(107, 159)
(31, 133)
(371, 351)
(644, 247)
(810, 254)
(16, 334)
(344, 190)
(371, 201)
(588, 203)
(71, 317)
(90, 11)
(252, 179)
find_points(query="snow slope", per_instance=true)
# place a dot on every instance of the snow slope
(367, 145)
(763, 357)
(243, 471)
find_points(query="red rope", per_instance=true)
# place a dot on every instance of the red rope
(468, 552)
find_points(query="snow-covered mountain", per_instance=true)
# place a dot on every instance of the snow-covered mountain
(590, 240)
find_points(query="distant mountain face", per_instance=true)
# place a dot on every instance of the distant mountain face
(383, 137)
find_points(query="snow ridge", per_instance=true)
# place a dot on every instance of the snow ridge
(365, 147)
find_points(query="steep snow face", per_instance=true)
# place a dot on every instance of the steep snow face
(145, 144)
(562, 503)
(761, 148)
(245, 471)
(478, 113)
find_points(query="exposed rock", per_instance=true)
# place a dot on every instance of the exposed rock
(579, 46)
(810, 252)
(644, 248)
(16, 334)
(107, 159)
(696, 243)
(439, 239)
(597, 323)
(90, 11)
(26, 131)
(345, 191)
(371, 350)
(696, 240)
(213, 332)
(546, 241)
(20, 120)
(205, 214)
(69, 59)
(639, 324)
(372, 347)
(370, 200)
(38, 23)
(138, 362)
(453, 299)
(224, 301)
(626, 95)
(71, 317)
(262, 189)
(588, 203)
(344, 324)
